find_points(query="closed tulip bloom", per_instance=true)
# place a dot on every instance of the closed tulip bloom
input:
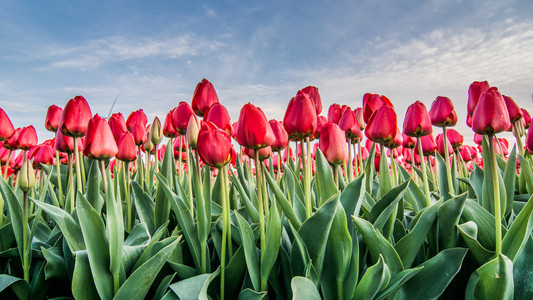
(334, 113)
(429, 146)
(168, 128)
(253, 130)
(529, 139)
(99, 142)
(282, 139)
(417, 122)
(359, 116)
(148, 146)
(204, 96)
(314, 95)
(11, 142)
(491, 115)
(179, 143)
(382, 125)
(527, 118)
(214, 145)
(43, 155)
(26, 177)
(117, 124)
(27, 138)
(332, 143)
(136, 116)
(371, 103)
(218, 115)
(127, 151)
(139, 133)
(454, 137)
(468, 153)
(53, 116)
(180, 117)
(192, 131)
(320, 122)
(156, 132)
(396, 141)
(6, 127)
(408, 142)
(75, 117)
(478, 139)
(440, 145)
(476, 89)
(348, 123)
(515, 113)
(264, 153)
(65, 144)
(442, 112)
(300, 119)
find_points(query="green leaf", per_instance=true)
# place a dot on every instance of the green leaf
(325, 185)
(484, 221)
(378, 245)
(161, 203)
(303, 288)
(519, 232)
(526, 172)
(489, 184)
(369, 169)
(476, 181)
(493, 280)
(55, 263)
(408, 246)
(523, 272)
(134, 246)
(283, 202)
(397, 281)
(20, 286)
(139, 282)
(385, 181)
(250, 251)
(144, 205)
(272, 243)
(352, 196)
(93, 186)
(248, 294)
(469, 232)
(509, 179)
(252, 211)
(15, 212)
(449, 214)
(82, 282)
(341, 243)
(435, 276)
(163, 286)
(375, 278)
(93, 230)
(442, 175)
(383, 209)
(115, 230)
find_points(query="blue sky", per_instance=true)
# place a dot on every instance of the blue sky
(151, 54)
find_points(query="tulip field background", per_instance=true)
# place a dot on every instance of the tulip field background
(340, 204)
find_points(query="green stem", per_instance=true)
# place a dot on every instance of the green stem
(335, 169)
(25, 251)
(349, 163)
(59, 183)
(497, 208)
(116, 282)
(77, 165)
(104, 176)
(156, 159)
(424, 171)
(189, 183)
(128, 194)
(340, 289)
(224, 236)
(307, 191)
(447, 161)
(139, 167)
(71, 182)
(7, 163)
(260, 203)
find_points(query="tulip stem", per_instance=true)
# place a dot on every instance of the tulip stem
(71, 181)
(447, 161)
(128, 194)
(59, 183)
(424, 171)
(350, 158)
(156, 159)
(260, 203)
(307, 191)
(225, 230)
(104, 176)
(77, 165)
(360, 156)
(139, 167)
(189, 181)
(497, 207)
(25, 252)
(7, 163)
(280, 164)
(336, 175)
(518, 130)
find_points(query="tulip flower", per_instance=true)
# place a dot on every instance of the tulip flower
(527, 118)
(136, 116)
(214, 145)
(359, 116)
(156, 132)
(314, 95)
(529, 139)
(396, 141)
(408, 142)
(282, 139)
(440, 145)
(180, 117)
(371, 103)
(193, 127)
(455, 138)
(127, 150)
(348, 123)
(253, 130)
(65, 144)
(75, 117)
(218, 115)
(53, 116)
(43, 155)
(333, 144)
(27, 138)
(117, 124)
(264, 153)
(382, 125)
(490, 115)
(442, 112)
(334, 113)
(139, 133)
(417, 122)
(429, 146)
(475, 91)
(6, 127)
(203, 98)
(320, 122)
(168, 128)
(99, 143)
(300, 119)
(515, 113)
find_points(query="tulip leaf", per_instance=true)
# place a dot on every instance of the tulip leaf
(134, 246)
(283, 202)
(435, 275)
(449, 215)
(250, 251)
(519, 233)
(469, 232)
(509, 179)
(375, 278)
(526, 172)
(407, 248)
(382, 210)
(139, 282)
(484, 221)
(167, 166)
(14, 209)
(55, 263)
(444, 185)
(493, 280)
(252, 210)
(248, 294)
(303, 288)
(153, 246)
(115, 230)
(83, 286)
(378, 245)
(340, 242)
(369, 169)
(272, 242)
(385, 181)
(93, 186)
(161, 203)
(93, 230)
(352, 196)
(19, 286)
(523, 272)
(488, 192)
(144, 206)
(300, 261)
(324, 182)
(397, 281)
(163, 286)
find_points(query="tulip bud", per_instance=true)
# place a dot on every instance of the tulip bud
(53, 116)
(75, 117)
(148, 145)
(396, 141)
(27, 138)
(168, 128)
(253, 130)
(300, 119)
(332, 143)
(417, 122)
(204, 96)
(428, 145)
(334, 113)
(99, 142)
(382, 125)
(136, 116)
(282, 139)
(181, 116)
(529, 139)
(440, 145)
(515, 113)
(126, 147)
(442, 112)
(44, 154)
(475, 91)
(314, 95)
(359, 116)
(348, 123)
(320, 122)
(139, 133)
(6, 127)
(193, 127)
(527, 118)
(156, 132)
(408, 142)
(117, 124)
(454, 137)
(63, 143)
(214, 145)
(26, 176)
(371, 103)
(264, 153)
(490, 115)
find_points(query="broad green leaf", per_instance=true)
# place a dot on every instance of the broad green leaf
(489, 184)
(469, 232)
(250, 251)
(144, 205)
(493, 280)
(434, 277)
(55, 263)
(303, 288)
(484, 221)
(340, 242)
(300, 259)
(20, 286)
(272, 243)
(526, 172)
(283, 202)
(369, 169)
(203, 292)
(449, 214)
(383, 209)
(385, 181)
(523, 272)
(509, 179)
(115, 231)
(397, 281)
(163, 286)
(15, 212)
(444, 185)
(134, 246)
(519, 232)
(82, 282)
(375, 278)
(252, 211)
(149, 251)
(93, 186)
(161, 203)
(248, 294)
(235, 272)
(352, 196)
(476, 181)
(324, 182)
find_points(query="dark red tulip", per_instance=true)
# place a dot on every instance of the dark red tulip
(408, 142)
(75, 117)
(282, 139)
(300, 119)
(371, 103)
(417, 122)
(127, 150)
(118, 125)
(27, 138)
(440, 145)
(491, 115)
(218, 115)
(476, 89)
(11, 142)
(99, 142)
(6, 127)
(214, 145)
(334, 113)
(136, 116)
(527, 118)
(181, 116)
(333, 144)
(348, 123)
(454, 137)
(53, 116)
(382, 125)
(314, 95)
(168, 128)
(442, 112)
(253, 129)
(204, 96)
(43, 155)
(264, 153)
(359, 116)
(139, 133)
(428, 145)
(515, 113)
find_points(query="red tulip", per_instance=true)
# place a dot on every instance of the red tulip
(300, 119)
(218, 115)
(478, 139)
(6, 127)
(475, 91)
(333, 144)
(382, 125)
(348, 123)
(181, 116)
(442, 112)
(127, 151)
(334, 113)
(371, 103)
(440, 144)
(527, 118)
(282, 139)
(118, 125)
(428, 145)
(179, 142)
(75, 117)
(408, 142)
(467, 153)
(204, 96)
(314, 95)
(27, 138)
(359, 116)
(65, 144)
(168, 128)
(139, 133)
(320, 122)
(264, 153)
(53, 116)
(99, 143)
(11, 142)
(454, 137)
(491, 115)
(529, 139)
(136, 116)
(43, 155)
(396, 141)
(214, 145)
(417, 122)
(253, 129)
(515, 113)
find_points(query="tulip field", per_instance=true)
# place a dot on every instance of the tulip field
(343, 204)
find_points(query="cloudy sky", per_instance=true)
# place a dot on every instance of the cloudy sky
(151, 54)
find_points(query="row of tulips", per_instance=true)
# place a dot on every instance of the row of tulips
(105, 210)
